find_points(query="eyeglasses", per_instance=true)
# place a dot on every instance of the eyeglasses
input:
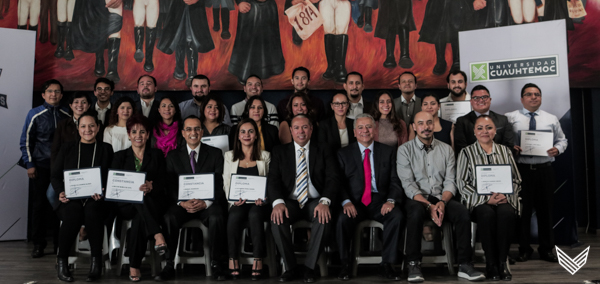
(336, 104)
(107, 89)
(481, 98)
(189, 129)
(532, 94)
(58, 92)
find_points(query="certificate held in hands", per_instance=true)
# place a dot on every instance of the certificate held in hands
(124, 186)
(453, 110)
(219, 141)
(494, 179)
(197, 186)
(536, 143)
(82, 183)
(249, 188)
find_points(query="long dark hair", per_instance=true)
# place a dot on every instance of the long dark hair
(309, 110)
(393, 117)
(220, 106)
(238, 154)
(114, 117)
(176, 117)
(246, 113)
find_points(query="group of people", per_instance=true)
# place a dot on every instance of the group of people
(392, 161)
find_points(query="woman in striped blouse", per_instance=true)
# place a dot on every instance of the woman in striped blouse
(495, 214)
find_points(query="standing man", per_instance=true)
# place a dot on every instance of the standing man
(195, 158)
(103, 90)
(537, 173)
(354, 87)
(300, 80)
(36, 145)
(200, 87)
(457, 84)
(302, 190)
(481, 102)
(147, 104)
(372, 191)
(426, 167)
(253, 87)
(407, 105)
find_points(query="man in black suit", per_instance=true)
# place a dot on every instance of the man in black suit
(195, 158)
(480, 102)
(147, 103)
(372, 191)
(303, 189)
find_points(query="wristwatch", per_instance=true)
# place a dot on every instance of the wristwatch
(324, 202)
(391, 201)
(444, 202)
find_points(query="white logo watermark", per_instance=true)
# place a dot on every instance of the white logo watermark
(572, 265)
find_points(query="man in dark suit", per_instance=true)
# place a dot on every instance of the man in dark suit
(147, 103)
(408, 104)
(372, 191)
(354, 86)
(303, 189)
(195, 158)
(480, 102)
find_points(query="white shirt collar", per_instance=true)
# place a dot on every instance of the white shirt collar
(99, 109)
(479, 114)
(404, 100)
(526, 112)
(144, 104)
(297, 147)
(360, 102)
(197, 149)
(363, 148)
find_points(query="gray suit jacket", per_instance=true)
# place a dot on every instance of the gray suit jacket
(398, 106)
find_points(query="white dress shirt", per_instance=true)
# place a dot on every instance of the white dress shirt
(449, 98)
(102, 112)
(146, 107)
(356, 108)
(197, 149)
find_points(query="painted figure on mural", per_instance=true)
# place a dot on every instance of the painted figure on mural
(28, 10)
(221, 7)
(257, 48)
(164, 7)
(336, 17)
(145, 11)
(441, 24)
(396, 18)
(186, 33)
(495, 13)
(522, 10)
(64, 13)
(95, 21)
(366, 7)
(4, 5)
(556, 10)
(48, 10)
(296, 39)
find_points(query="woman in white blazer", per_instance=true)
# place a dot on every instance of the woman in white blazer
(246, 158)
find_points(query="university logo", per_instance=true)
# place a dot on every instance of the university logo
(518, 68)
(572, 265)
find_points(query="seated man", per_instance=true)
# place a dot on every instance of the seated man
(371, 190)
(195, 158)
(301, 190)
(426, 168)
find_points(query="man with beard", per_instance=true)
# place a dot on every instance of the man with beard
(457, 84)
(200, 87)
(396, 18)
(147, 104)
(253, 87)
(354, 87)
(408, 104)
(103, 90)
(300, 80)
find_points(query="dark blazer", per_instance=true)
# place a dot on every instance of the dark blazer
(269, 132)
(153, 165)
(464, 135)
(386, 177)
(398, 106)
(66, 131)
(154, 115)
(322, 168)
(210, 160)
(329, 132)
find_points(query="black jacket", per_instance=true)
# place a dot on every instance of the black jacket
(153, 165)
(329, 133)
(464, 135)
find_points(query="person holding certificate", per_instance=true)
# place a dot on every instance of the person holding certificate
(390, 130)
(115, 132)
(494, 212)
(85, 153)
(299, 103)
(145, 217)
(166, 134)
(336, 130)
(246, 158)
(212, 111)
(256, 109)
(443, 130)
(536, 170)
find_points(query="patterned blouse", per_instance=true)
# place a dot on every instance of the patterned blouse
(465, 176)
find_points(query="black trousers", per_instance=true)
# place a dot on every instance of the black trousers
(41, 210)
(495, 226)
(255, 216)
(537, 193)
(392, 223)
(455, 212)
(212, 217)
(145, 223)
(76, 213)
(283, 236)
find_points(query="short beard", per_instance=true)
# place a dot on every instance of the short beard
(147, 96)
(455, 94)
(198, 98)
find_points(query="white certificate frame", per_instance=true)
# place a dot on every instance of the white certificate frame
(451, 111)
(251, 178)
(90, 184)
(532, 146)
(118, 193)
(494, 179)
(217, 141)
(186, 192)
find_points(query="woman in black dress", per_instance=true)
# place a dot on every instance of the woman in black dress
(443, 130)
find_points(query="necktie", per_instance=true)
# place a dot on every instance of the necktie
(532, 121)
(302, 179)
(193, 161)
(366, 198)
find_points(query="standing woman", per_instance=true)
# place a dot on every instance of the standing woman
(391, 130)
(337, 130)
(495, 214)
(246, 158)
(166, 133)
(145, 217)
(443, 130)
(212, 112)
(85, 153)
(115, 133)
(267, 134)
(298, 104)
(66, 129)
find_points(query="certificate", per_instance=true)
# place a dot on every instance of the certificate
(82, 183)
(197, 186)
(494, 179)
(219, 141)
(248, 188)
(124, 186)
(453, 110)
(536, 143)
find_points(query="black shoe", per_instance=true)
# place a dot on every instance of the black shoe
(550, 257)
(217, 272)
(345, 272)
(167, 273)
(414, 272)
(405, 62)
(511, 260)
(95, 269)
(467, 271)
(150, 41)
(439, 68)
(225, 34)
(390, 61)
(491, 272)
(38, 251)
(287, 276)
(387, 271)
(68, 55)
(505, 272)
(329, 40)
(309, 275)
(62, 270)
(341, 48)
(524, 256)
(99, 65)
(138, 35)
(234, 270)
(258, 275)
(114, 45)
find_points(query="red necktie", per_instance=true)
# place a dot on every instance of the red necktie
(366, 198)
